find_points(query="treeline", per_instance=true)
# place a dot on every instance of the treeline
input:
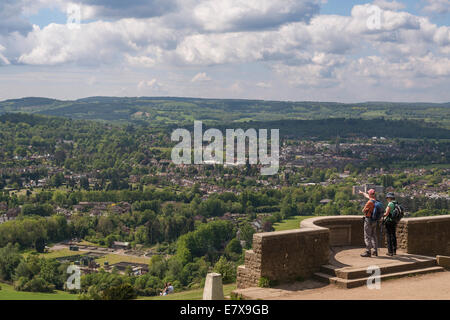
(34, 232)
(211, 246)
(80, 146)
(161, 216)
(33, 273)
(148, 110)
(348, 128)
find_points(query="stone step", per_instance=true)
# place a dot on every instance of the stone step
(356, 273)
(353, 283)
(329, 269)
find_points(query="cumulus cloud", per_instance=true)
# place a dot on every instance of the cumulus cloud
(201, 77)
(264, 85)
(290, 37)
(389, 5)
(11, 18)
(149, 84)
(3, 59)
(411, 67)
(318, 70)
(437, 6)
(330, 34)
(98, 43)
(233, 15)
(116, 9)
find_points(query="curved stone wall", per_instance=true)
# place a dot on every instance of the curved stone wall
(297, 254)
(429, 236)
(284, 256)
(344, 230)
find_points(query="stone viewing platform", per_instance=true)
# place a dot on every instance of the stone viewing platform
(325, 251)
(432, 286)
(347, 269)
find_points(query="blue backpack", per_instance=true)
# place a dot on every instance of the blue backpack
(378, 210)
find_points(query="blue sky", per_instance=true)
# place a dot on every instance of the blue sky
(344, 7)
(45, 16)
(257, 49)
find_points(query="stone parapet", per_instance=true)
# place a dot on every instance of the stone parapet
(284, 256)
(428, 236)
(291, 255)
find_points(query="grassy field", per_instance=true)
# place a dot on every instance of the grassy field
(116, 258)
(52, 254)
(8, 293)
(290, 223)
(111, 257)
(60, 253)
(87, 243)
(196, 294)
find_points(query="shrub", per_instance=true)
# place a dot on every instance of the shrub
(227, 269)
(264, 282)
(233, 250)
(37, 284)
(122, 292)
(9, 260)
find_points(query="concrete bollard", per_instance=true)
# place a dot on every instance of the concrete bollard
(213, 287)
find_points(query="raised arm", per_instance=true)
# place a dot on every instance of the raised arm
(364, 194)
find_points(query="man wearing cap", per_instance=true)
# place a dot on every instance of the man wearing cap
(390, 225)
(370, 227)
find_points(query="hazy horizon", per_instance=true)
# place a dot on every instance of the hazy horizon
(204, 98)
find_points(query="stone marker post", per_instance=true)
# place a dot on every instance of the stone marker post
(213, 287)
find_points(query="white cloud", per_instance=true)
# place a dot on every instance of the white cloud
(389, 5)
(99, 42)
(287, 38)
(3, 59)
(233, 15)
(202, 77)
(127, 9)
(318, 70)
(437, 6)
(236, 87)
(152, 84)
(264, 85)
(406, 74)
(11, 19)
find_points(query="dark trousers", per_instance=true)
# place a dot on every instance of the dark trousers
(391, 237)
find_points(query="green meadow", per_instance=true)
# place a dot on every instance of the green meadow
(7, 292)
(290, 223)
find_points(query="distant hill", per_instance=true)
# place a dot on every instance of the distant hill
(172, 110)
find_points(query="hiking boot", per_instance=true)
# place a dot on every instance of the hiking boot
(394, 253)
(390, 254)
(366, 254)
(375, 253)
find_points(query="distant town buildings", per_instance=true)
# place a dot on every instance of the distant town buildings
(121, 245)
(366, 187)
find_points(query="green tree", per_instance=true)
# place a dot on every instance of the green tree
(227, 269)
(233, 249)
(10, 258)
(247, 232)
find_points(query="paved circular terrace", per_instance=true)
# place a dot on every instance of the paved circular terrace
(347, 265)
(434, 286)
(350, 258)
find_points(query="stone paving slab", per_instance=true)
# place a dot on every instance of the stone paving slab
(432, 286)
(349, 257)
